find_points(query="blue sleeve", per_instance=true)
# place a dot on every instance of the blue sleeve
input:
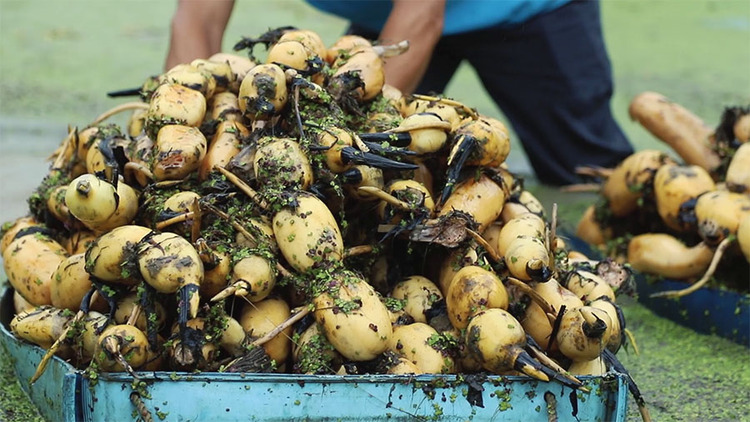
(460, 15)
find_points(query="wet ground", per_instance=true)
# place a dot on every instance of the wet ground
(58, 59)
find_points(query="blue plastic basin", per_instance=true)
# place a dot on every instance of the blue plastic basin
(64, 394)
(707, 310)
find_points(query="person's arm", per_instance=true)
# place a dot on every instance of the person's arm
(197, 30)
(421, 23)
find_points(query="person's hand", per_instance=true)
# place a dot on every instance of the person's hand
(420, 23)
(197, 30)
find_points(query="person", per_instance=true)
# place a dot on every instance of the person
(543, 62)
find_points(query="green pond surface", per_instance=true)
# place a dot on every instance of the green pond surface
(59, 58)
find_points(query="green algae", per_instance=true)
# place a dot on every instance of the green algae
(683, 375)
(14, 403)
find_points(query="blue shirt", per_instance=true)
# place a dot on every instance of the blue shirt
(460, 15)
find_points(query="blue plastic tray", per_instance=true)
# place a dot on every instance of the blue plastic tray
(707, 310)
(64, 394)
